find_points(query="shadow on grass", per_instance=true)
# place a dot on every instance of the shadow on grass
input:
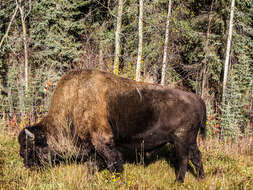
(96, 163)
(167, 153)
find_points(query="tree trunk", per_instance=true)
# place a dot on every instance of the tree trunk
(226, 64)
(251, 108)
(21, 100)
(101, 58)
(10, 102)
(165, 51)
(206, 52)
(22, 15)
(117, 38)
(140, 36)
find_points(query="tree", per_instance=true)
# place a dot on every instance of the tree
(3, 89)
(140, 37)
(64, 35)
(206, 52)
(228, 50)
(117, 38)
(165, 51)
(24, 29)
(236, 97)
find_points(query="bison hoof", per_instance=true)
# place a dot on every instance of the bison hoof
(179, 180)
(202, 176)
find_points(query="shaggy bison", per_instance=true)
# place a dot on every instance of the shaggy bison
(97, 113)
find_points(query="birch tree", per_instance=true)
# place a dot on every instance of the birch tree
(226, 64)
(251, 106)
(226, 107)
(140, 37)
(206, 51)
(165, 51)
(2, 88)
(117, 37)
(21, 7)
(24, 29)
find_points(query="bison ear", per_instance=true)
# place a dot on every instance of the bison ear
(29, 134)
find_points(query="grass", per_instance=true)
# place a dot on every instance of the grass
(227, 166)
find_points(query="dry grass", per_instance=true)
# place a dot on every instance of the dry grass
(227, 166)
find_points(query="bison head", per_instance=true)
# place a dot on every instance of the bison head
(33, 147)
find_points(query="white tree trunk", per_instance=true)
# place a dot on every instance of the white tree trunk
(226, 64)
(117, 38)
(165, 51)
(22, 15)
(10, 101)
(251, 107)
(140, 36)
(206, 52)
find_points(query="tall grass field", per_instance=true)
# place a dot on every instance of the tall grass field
(227, 166)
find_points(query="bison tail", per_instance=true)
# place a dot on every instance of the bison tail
(203, 122)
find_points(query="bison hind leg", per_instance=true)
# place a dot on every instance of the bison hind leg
(195, 157)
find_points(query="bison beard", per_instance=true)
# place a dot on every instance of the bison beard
(97, 113)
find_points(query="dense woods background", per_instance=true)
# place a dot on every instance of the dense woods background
(43, 39)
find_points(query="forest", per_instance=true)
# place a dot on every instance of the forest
(200, 46)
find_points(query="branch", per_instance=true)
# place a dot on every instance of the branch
(108, 8)
(30, 8)
(9, 26)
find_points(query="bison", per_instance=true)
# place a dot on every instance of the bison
(98, 113)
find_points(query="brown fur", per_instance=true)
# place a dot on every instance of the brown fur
(98, 112)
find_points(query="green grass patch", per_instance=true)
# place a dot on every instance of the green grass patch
(227, 166)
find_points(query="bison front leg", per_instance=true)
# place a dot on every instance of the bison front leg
(105, 148)
(95, 163)
(195, 157)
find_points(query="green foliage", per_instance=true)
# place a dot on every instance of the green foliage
(56, 30)
(64, 35)
(238, 98)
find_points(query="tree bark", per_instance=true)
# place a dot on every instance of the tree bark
(251, 108)
(21, 100)
(100, 57)
(140, 36)
(206, 52)
(165, 51)
(117, 38)
(226, 64)
(10, 101)
(22, 15)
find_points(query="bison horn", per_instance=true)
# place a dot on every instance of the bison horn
(29, 134)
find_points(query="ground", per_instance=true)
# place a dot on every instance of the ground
(227, 166)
